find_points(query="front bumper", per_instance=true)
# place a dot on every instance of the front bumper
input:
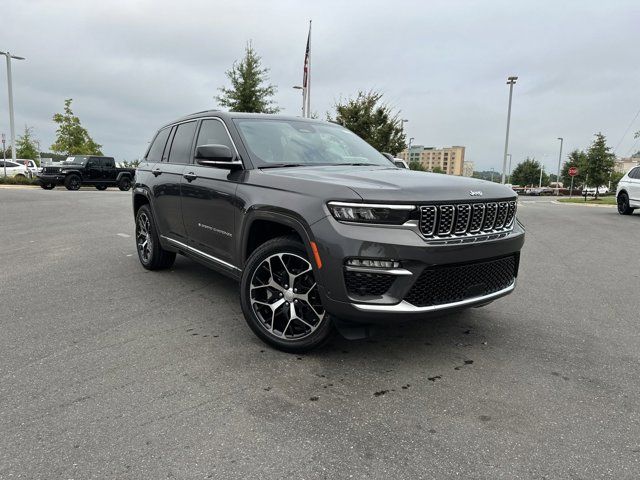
(338, 241)
(50, 178)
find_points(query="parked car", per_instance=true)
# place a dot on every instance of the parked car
(591, 191)
(628, 192)
(13, 169)
(32, 167)
(79, 170)
(320, 229)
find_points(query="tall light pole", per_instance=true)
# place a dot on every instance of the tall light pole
(559, 161)
(509, 155)
(298, 87)
(511, 81)
(11, 120)
(541, 170)
(492, 174)
(4, 154)
(409, 150)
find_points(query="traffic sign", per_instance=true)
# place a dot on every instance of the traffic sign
(573, 171)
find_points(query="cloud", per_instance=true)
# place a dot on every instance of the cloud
(131, 66)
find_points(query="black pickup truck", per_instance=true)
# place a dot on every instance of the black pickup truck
(100, 172)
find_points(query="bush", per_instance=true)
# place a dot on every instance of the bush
(17, 180)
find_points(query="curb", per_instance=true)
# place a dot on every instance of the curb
(583, 204)
(28, 187)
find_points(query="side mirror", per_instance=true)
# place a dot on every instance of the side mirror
(389, 157)
(215, 155)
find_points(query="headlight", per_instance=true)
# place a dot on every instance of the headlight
(370, 213)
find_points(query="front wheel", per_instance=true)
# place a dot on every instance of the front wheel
(73, 182)
(124, 184)
(280, 299)
(623, 204)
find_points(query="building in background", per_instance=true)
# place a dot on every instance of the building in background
(623, 165)
(467, 169)
(448, 159)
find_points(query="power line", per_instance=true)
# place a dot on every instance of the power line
(626, 131)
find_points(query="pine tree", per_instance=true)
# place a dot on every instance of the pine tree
(71, 137)
(600, 162)
(26, 145)
(249, 91)
(528, 173)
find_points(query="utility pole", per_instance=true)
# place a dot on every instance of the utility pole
(11, 118)
(511, 82)
(541, 170)
(4, 154)
(559, 160)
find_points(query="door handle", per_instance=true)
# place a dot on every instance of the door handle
(156, 171)
(190, 176)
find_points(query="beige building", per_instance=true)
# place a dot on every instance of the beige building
(623, 165)
(448, 159)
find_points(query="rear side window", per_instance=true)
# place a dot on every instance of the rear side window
(213, 132)
(157, 147)
(107, 162)
(635, 173)
(182, 140)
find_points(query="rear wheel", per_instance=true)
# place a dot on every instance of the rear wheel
(124, 184)
(73, 182)
(101, 187)
(280, 299)
(150, 253)
(623, 204)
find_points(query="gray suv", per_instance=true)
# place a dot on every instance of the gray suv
(320, 229)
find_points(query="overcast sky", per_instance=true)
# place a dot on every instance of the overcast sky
(131, 66)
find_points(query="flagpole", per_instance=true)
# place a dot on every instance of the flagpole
(308, 92)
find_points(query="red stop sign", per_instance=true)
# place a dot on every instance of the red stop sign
(573, 171)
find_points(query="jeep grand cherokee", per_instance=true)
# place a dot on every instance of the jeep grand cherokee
(318, 227)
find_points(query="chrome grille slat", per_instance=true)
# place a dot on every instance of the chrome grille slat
(466, 219)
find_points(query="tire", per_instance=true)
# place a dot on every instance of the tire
(268, 300)
(48, 186)
(150, 253)
(73, 182)
(124, 184)
(623, 204)
(101, 187)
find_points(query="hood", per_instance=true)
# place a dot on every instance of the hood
(397, 185)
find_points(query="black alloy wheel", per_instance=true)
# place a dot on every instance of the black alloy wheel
(280, 299)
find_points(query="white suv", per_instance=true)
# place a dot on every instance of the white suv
(13, 169)
(628, 192)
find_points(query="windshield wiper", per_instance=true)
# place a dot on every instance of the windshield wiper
(361, 164)
(282, 165)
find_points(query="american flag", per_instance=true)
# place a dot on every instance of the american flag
(306, 78)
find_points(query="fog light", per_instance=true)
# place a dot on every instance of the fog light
(364, 262)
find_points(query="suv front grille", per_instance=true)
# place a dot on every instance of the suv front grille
(367, 284)
(51, 170)
(446, 221)
(454, 283)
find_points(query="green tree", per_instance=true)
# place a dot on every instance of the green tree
(373, 121)
(249, 91)
(437, 170)
(528, 173)
(600, 162)
(576, 159)
(26, 145)
(416, 165)
(71, 137)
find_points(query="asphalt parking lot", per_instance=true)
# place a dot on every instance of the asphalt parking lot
(110, 371)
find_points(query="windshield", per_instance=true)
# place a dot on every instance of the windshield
(76, 160)
(275, 142)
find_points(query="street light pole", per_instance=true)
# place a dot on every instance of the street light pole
(10, 87)
(511, 82)
(509, 155)
(541, 170)
(298, 87)
(492, 174)
(409, 150)
(559, 161)
(4, 154)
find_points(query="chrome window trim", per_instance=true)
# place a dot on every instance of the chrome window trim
(406, 307)
(199, 252)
